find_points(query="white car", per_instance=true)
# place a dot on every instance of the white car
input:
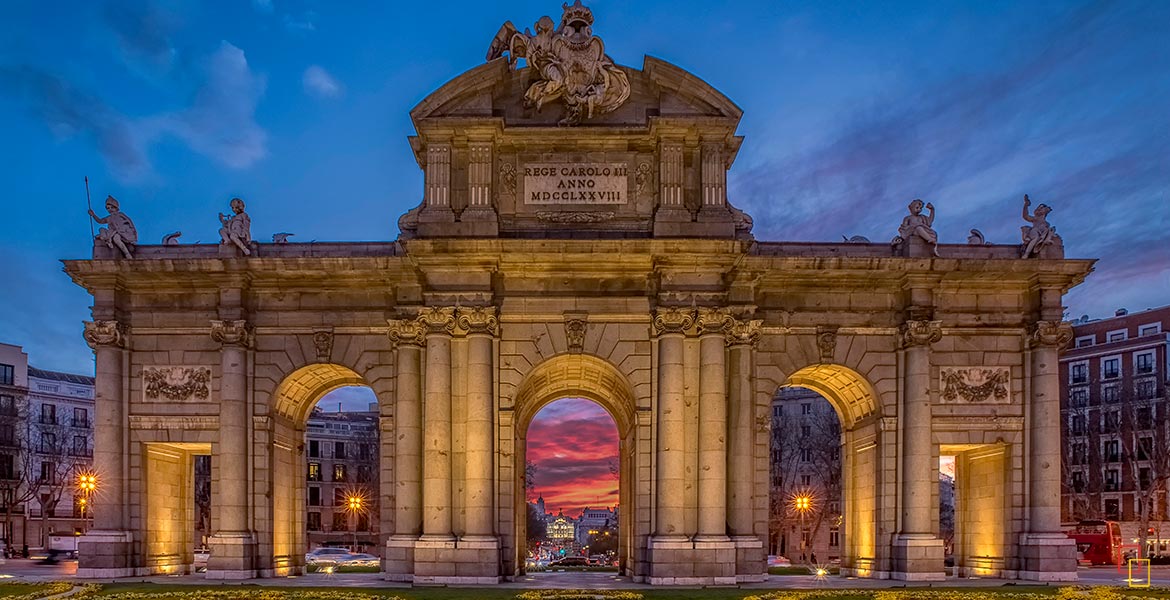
(359, 560)
(326, 556)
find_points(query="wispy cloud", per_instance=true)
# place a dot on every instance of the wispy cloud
(573, 443)
(142, 29)
(305, 23)
(320, 83)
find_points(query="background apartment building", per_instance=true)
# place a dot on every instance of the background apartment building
(341, 450)
(1114, 409)
(46, 441)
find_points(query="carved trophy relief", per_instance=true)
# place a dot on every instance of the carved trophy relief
(508, 178)
(323, 344)
(643, 177)
(976, 385)
(176, 384)
(575, 326)
(826, 343)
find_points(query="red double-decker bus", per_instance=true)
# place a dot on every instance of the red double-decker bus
(1098, 542)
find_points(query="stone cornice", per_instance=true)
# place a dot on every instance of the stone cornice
(1050, 334)
(235, 332)
(104, 333)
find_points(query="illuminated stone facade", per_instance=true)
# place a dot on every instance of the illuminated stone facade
(657, 303)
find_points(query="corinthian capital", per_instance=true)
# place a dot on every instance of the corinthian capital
(104, 333)
(1050, 333)
(478, 320)
(438, 319)
(407, 332)
(919, 333)
(673, 320)
(713, 320)
(232, 333)
(744, 332)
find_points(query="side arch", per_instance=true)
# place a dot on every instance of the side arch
(850, 394)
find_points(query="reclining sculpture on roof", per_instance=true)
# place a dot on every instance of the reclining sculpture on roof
(571, 63)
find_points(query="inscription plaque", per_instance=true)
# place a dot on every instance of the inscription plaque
(575, 183)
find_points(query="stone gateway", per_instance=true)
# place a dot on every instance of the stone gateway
(642, 288)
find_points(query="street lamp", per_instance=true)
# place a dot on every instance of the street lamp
(354, 505)
(802, 503)
(87, 485)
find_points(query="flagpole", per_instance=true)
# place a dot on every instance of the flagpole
(88, 204)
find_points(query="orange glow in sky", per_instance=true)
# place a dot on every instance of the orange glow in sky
(574, 444)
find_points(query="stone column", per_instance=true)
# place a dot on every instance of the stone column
(481, 326)
(918, 553)
(742, 337)
(1048, 554)
(105, 549)
(440, 323)
(670, 326)
(233, 544)
(712, 425)
(408, 336)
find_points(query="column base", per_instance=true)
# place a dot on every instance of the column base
(676, 560)
(918, 557)
(398, 564)
(1047, 557)
(233, 556)
(105, 554)
(751, 562)
(471, 560)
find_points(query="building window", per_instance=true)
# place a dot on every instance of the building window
(80, 445)
(1112, 480)
(48, 472)
(49, 414)
(6, 373)
(80, 417)
(339, 473)
(363, 523)
(1112, 509)
(48, 443)
(338, 497)
(314, 523)
(1117, 336)
(7, 464)
(1086, 341)
(1078, 482)
(1110, 394)
(339, 450)
(340, 521)
(1154, 329)
(364, 474)
(7, 405)
(1145, 389)
(834, 538)
(314, 449)
(1079, 454)
(1077, 424)
(314, 495)
(1111, 368)
(1111, 450)
(1078, 397)
(805, 431)
(805, 455)
(7, 434)
(1144, 363)
(314, 471)
(777, 411)
(363, 452)
(1144, 478)
(1145, 417)
(1111, 421)
(806, 480)
(806, 408)
(1079, 373)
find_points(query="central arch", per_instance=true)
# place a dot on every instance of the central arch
(856, 403)
(589, 377)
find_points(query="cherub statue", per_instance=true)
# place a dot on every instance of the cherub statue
(1039, 233)
(237, 228)
(917, 224)
(119, 231)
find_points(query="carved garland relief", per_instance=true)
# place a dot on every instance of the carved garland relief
(976, 385)
(176, 384)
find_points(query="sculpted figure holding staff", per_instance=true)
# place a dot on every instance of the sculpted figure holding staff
(119, 231)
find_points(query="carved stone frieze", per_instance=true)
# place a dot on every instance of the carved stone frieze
(744, 332)
(826, 342)
(176, 384)
(919, 333)
(104, 333)
(713, 320)
(673, 320)
(438, 319)
(575, 326)
(574, 217)
(977, 385)
(323, 344)
(410, 332)
(508, 177)
(232, 333)
(478, 320)
(174, 422)
(1050, 333)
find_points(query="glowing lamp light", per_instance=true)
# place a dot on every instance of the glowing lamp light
(802, 503)
(87, 483)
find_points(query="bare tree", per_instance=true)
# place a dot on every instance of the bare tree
(1144, 451)
(806, 462)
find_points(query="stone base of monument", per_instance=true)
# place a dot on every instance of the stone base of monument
(468, 561)
(681, 561)
(1047, 557)
(751, 562)
(918, 557)
(233, 556)
(398, 564)
(105, 554)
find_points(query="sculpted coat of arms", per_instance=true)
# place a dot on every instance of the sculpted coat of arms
(570, 62)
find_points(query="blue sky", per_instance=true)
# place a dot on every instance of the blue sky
(851, 110)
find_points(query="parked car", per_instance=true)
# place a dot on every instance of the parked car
(325, 556)
(359, 560)
(778, 561)
(570, 561)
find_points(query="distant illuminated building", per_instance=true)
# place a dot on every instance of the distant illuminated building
(561, 528)
(593, 520)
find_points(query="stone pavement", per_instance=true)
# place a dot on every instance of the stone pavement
(29, 570)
